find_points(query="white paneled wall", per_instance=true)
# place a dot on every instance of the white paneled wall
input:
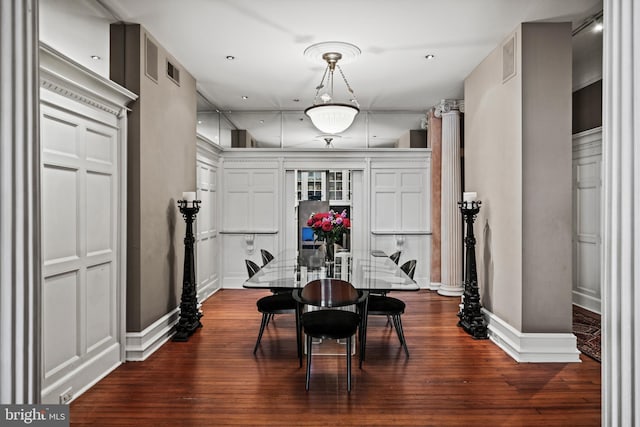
(250, 215)
(79, 182)
(82, 131)
(390, 210)
(207, 237)
(587, 240)
(400, 214)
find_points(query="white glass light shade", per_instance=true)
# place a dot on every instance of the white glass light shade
(332, 118)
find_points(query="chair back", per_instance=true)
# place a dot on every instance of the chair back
(266, 256)
(252, 267)
(395, 257)
(328, 293)
(409, 268)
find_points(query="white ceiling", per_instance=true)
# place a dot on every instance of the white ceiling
(268, 38)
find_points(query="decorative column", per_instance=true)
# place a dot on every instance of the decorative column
(451, 226)
(20, 270)
(621, 215)
(435, 142)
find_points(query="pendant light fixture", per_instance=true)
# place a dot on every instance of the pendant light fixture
(326, 114)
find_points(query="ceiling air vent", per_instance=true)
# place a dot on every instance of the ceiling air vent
(173, 72)
(151, 59)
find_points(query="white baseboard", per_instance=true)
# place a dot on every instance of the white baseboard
(206, 290)
(587, 301)
(140, 345)
(83, 378)
(531, 347)
(233, 282)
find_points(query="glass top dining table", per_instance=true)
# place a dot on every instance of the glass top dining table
(373, 271)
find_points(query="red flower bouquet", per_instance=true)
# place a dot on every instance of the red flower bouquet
(329, 226)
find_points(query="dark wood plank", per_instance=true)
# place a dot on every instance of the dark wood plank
(450, 379)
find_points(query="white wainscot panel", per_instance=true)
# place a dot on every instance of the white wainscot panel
(589, 268)
(236, 211)
(203, 219)
(99, 221)
(588, 205)
(213, 179)
(212, 209)
(60, 213)
(100, 303)
(237, 180)
(384, 242)
(589, 168)
(263, 211)
(203, 176)
(234, 254)
(413, 216)
(411, 179)
(384, 179)
(59, 136)
(384, 211)
(204, 260)
(60, 321)
(264, 180)
(100, 147)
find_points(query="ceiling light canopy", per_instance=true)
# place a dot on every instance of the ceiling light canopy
(329, 116)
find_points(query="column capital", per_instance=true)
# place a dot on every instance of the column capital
(448, 105)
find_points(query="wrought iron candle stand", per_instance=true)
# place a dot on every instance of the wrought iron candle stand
(189, 313)
(471, 319)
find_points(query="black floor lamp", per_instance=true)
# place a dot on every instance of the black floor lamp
(471, 319)
(189, 314)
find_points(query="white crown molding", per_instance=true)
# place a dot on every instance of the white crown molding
(62, 75)
(207, 145)
(531, 347)
(588, 142)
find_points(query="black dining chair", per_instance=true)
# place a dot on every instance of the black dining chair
(266, 256)
(329, 321)
(395, 257)
(252, 267)
(383, 305)
(279, 303)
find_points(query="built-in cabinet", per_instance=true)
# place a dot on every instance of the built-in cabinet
(587, 235)
(332, 185)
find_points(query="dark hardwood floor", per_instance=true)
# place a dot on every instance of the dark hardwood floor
(449, 380)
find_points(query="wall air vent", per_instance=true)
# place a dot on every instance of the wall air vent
(173, 72)
(509, 59)
(151, 59)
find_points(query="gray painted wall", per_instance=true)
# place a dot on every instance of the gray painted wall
(162, 149)
(547, 168)
(518, 160)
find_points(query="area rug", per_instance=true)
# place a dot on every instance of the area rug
(587, 327)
